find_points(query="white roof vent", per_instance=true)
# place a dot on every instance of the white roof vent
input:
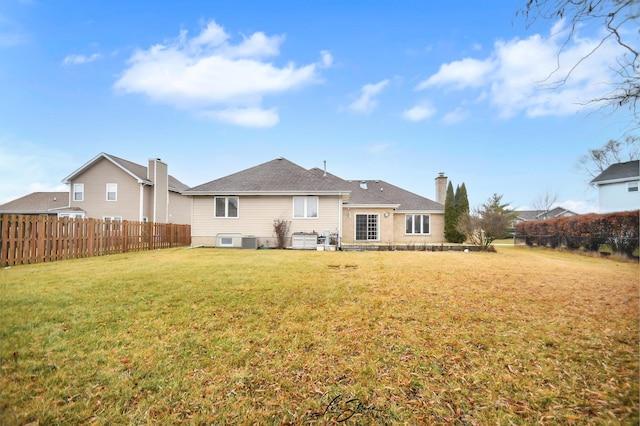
(363, 185)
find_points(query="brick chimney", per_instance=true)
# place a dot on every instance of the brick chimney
(441, 188)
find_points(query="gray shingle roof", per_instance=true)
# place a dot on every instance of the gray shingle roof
(283, 176)
(527, 215)
(618, 172)
(36, 203)
(275, 176)
(379, 192)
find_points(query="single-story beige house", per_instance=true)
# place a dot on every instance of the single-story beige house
(240, 209)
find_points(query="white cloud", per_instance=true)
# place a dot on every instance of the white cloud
(80, 59)
(460, 74)
(419, 112)
(366, 103)
(327, 59)
(25, 168)
(207, 72)
(456, 116)
(523, 75)
(12, 39)
(246, 117)
(580, 207)
(378, 148)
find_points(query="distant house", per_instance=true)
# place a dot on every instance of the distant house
(355, 213)
(618, 187)
(108, 187)
(40, 203)
(528, 215)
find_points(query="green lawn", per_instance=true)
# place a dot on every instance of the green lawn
(207, 336)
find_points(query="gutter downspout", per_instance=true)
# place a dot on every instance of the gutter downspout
(141, 202)
(339, 239)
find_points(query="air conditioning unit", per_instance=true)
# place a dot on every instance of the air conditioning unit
(250, 243)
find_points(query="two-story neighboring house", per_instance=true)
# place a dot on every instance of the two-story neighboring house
(360, 213)
(618, 187)
(109, 187)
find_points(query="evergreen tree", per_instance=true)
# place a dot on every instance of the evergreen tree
(487, 223)
(451, 233)
(462, 208)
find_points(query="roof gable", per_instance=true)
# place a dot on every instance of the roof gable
(619, 172)
(275, 176)
(134, 170)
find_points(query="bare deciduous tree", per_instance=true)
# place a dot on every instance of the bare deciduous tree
(619, 20)
(545, 202)
(597, 160)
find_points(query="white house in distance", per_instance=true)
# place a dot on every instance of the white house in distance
(618, 187)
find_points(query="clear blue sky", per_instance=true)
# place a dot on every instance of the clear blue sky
(397, 91)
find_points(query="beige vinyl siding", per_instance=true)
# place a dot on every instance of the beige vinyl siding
(385, 226)
(95, 202)
(161, 192)
(256, 216)
(147, 210)
(436, 228)
(179, 208)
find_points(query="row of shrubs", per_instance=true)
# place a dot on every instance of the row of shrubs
(618, 232)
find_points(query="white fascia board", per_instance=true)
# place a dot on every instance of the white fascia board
(372, 206)
(419, 212)
(239, 193)
(619, 180)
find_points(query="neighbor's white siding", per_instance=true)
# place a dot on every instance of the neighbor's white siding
(256, 217)
(615, 197)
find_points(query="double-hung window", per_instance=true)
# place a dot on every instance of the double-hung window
(367, 227)
(226, 206)
(112, 192)
(78, 192)
(632, 187)
(305, 207)
(417, 224)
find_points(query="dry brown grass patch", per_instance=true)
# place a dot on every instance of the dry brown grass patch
(227, 336)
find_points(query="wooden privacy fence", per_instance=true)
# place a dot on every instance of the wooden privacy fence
(34, 239)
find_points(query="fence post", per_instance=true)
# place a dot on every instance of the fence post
(91, 235)
(4, 235)
(125, 235)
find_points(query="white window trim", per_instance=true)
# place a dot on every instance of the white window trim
(355, 227)
(112, 218)
(78, 185)
(632, 187)
(414, 215)
(116, 192)
(223, 244)
(71, 215)
(305, 198)
(226, 207)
